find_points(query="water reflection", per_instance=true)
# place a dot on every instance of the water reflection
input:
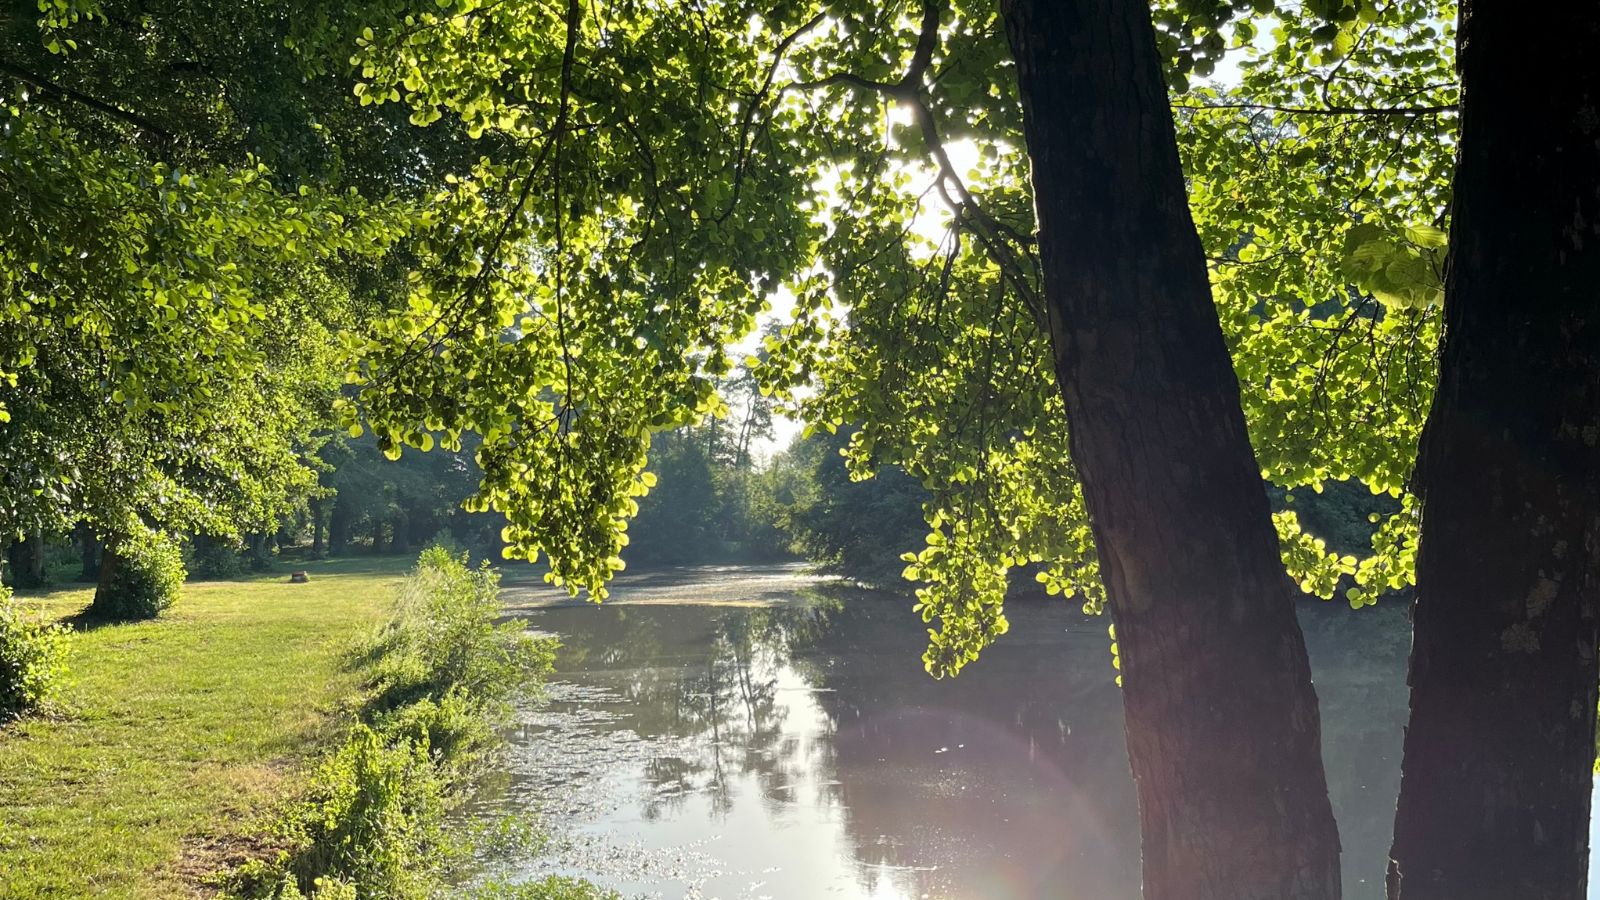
(799, 751)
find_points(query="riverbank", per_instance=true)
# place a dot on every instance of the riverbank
(178, 736)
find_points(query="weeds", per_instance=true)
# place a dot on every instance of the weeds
(445, 673)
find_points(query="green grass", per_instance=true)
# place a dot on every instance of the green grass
(177, 736)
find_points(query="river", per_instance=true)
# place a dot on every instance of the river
(758, 732)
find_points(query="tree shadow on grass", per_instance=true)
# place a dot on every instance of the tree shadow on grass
(89, 619)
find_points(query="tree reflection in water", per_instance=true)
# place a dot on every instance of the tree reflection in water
(799, 750)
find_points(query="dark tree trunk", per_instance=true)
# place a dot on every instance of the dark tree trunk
(90, 554)
(319, 516)
(400, 535)
(1497, 773)
(258, 551)
(26, 558)
(110, 561)
(1222, 722)
(339, 524)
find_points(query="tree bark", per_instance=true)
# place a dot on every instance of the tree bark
(90, 554)
(319, 531)
(27, 560)
(1222, 722)
(1497, 771)
(340, 522)
(110, 562)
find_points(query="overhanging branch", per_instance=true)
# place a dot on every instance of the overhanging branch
(41, 83)
(1400, 111)
(1005, 246)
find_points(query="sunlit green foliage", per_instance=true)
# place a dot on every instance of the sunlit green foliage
(1321, 154)
(144, 579)
(661, 175)
(33, 658)
(182, 245)
(574, 291)
(603, 204)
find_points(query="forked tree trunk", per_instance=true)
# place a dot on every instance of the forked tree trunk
(1497, 773)
(1222, 722)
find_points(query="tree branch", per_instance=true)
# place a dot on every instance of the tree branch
(1002, 243)
(1403, 111)
(76, 96)
(568, 57)
(756, 102)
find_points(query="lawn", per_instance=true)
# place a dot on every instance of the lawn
(178, 735)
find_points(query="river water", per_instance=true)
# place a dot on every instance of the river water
(755, 732)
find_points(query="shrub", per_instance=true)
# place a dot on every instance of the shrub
(147, 577)
(375, 818)
(373, 823)
(453, 728)
(33, 659)
(445, 636)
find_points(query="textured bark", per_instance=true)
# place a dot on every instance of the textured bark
(1222, 722)
(89, 557)
(1494, 797)
(27, 560)
(110, 562)
(340, 522)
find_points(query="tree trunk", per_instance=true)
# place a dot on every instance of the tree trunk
(110, 561)
(1222, 722)
(90, 558)
(400, 534)
(318, 529)
(1497, 772)
(27, 560)
(258, 551)
(339, 524)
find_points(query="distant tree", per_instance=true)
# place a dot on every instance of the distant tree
(678, 520)
(711, 500)
(858, 527)
(395, 505)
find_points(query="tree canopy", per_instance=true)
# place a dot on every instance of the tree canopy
(660, 181)
(547, 226)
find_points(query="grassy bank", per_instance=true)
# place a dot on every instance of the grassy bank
(180, 734)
